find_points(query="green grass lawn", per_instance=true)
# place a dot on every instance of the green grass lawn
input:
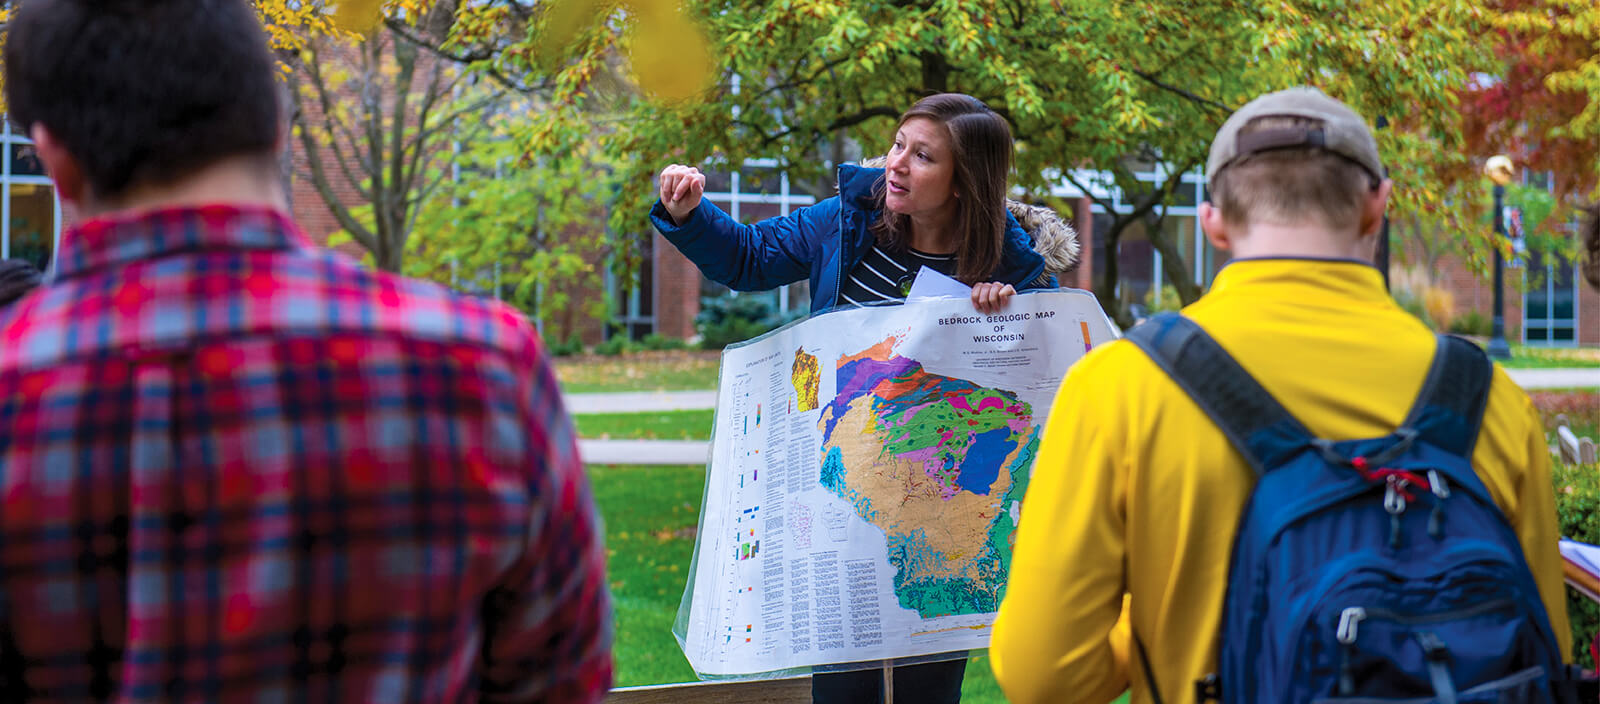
(694, 370)
(650, 515)
(1525, 357)
(644, 371)
(666, 425)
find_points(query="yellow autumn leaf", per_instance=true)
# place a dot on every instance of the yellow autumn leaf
(565, 19)
(669, 55)
(358, 16)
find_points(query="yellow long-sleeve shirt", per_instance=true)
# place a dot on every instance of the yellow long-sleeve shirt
(1136, 492)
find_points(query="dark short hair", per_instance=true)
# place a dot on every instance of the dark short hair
(143, 91)
(17, 278)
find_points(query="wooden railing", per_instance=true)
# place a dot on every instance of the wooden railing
(1571, 448)
(792, 690)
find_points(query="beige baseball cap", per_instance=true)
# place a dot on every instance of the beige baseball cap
(1342, 131)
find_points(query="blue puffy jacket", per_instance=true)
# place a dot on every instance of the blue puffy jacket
(824, 241)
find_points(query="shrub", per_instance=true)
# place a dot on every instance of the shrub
(1441, 306)
(618, 344)
(657, 341)
(1581, 408)
(1166, 299)
(1413, 305)
(1578, 509)
(725, 320)
(1472, 322)
(573, 345)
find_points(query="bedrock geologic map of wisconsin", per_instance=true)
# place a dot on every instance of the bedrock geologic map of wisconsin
(940, 464)
(866, 478)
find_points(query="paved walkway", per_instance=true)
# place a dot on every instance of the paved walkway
(644, 451)
(1555, 378)
(698, 451)
(641, 401)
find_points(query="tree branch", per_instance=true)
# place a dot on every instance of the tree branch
(1174, 89)
(478, 59)
(319, 181)
(336, 129)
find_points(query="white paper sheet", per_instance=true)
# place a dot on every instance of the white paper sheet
(931, 284)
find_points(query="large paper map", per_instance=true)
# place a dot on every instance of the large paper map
(867, 473)
(935, 462)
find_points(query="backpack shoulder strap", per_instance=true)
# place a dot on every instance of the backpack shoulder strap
(1251, 418)
(1450, 406)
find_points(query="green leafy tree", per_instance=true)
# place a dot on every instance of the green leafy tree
(530, 230)
(376, 117)
(1085, 84)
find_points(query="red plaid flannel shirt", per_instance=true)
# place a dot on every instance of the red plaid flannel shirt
(234, 467)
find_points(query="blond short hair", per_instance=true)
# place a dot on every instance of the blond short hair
(1291, 186)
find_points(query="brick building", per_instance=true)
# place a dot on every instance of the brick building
(1546, 302)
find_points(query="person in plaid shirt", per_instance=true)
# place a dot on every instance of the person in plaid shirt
(237, 468)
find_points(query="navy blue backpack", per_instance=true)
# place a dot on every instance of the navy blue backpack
(1375, 570)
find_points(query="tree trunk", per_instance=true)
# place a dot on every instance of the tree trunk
(935, 73)
(1175, 267)
(1106, 290)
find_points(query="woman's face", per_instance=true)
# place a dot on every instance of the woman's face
(920, 170)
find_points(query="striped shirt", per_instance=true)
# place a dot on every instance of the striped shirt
(237, 468)
(883, 275)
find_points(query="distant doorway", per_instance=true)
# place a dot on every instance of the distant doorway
(1550, 305)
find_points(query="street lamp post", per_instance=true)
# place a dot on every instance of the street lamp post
(1383, 233)
(1499, 169)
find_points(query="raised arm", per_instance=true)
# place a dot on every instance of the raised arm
(757, 257)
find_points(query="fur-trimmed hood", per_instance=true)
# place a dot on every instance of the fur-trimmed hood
(1053, 237)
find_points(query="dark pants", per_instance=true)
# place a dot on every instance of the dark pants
(928, 683)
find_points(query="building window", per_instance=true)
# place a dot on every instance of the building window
(1550, 306)
(1140, 272)
(634, 312)
(754, 193)
(30, 214)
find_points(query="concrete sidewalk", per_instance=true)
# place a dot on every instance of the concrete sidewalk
(698, 452)
(640, 401)
(644, 451)
(1555, 378)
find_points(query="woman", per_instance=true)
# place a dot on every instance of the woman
(938, 202)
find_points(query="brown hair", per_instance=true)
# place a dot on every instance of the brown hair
(1287, 186)
(980, 146)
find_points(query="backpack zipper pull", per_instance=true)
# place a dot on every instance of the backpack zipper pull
(1437, 484)
(1349, 622)
(1349, 619)
(1394, 501)
(1442, 490)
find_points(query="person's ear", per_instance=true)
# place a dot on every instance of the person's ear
(1373, 206)
(62, 167)
(1215, 227)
